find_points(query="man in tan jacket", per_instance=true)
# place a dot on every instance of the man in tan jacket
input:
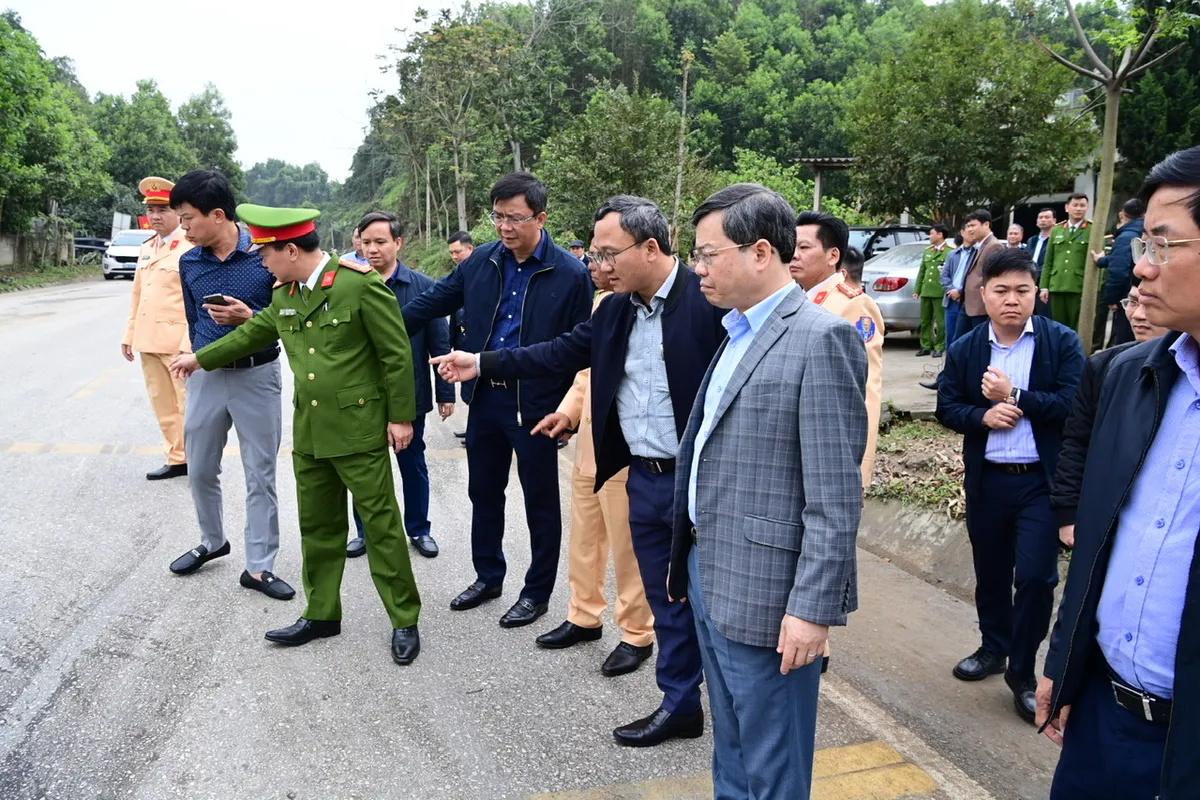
(157, 327)
(599, 522)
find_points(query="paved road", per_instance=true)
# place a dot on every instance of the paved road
(120, 680)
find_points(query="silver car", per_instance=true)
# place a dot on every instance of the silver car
(122, 254)
(890, 279)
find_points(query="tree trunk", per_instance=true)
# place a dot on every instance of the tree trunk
(460, 188)
(428, 204)
(516, 153)
(1104, 187)
(687, 66)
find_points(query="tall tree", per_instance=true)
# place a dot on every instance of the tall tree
(278, 183)
(143, 135)
(207, 129)
(1130, 57)
(965, 116)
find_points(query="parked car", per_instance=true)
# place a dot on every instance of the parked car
(122, 254)
(890, 279)
(872, 241)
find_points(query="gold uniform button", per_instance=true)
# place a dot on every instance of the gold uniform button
(308, 324)
(361, 401)
(314, 402)
(312, 377)
(312, 351)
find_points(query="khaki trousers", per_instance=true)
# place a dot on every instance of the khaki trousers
(600, 521)
(168, 400)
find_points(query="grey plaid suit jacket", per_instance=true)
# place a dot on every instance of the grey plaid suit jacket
(778, 488)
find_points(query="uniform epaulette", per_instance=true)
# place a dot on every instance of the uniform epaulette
(277, 285)
(849, 290)
(365, 269)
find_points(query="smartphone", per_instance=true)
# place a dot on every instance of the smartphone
(215, 300)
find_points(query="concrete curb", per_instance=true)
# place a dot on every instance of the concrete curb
(922, 542)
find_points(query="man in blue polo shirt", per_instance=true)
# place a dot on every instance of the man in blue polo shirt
(518, 291)
(244, 394)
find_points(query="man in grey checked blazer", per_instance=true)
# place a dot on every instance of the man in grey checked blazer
(768, 496)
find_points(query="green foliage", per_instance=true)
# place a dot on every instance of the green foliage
(968, 114)
(752, 167)
(277, 183)
(205, 124)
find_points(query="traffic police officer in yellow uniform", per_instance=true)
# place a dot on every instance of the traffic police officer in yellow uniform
(354, 398)
(1066, 258)
(157, 326)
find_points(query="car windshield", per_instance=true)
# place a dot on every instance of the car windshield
(131, 238)
(859, 239)
(901, 255)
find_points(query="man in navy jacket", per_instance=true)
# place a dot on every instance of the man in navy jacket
(518, 291)
(648, 347)
(1007, 387)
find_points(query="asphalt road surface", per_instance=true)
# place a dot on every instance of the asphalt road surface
(121, 680)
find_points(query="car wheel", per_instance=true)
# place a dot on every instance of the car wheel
(108, 276)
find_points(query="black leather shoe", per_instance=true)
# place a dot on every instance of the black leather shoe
(625, 658)
(1024, 696)
(356, 547)
(305, 630)
(930, 385)
(979, 665)
(425, 545)
(460, 434)
(275, 588)
(921, 353)
(568, 634)
(196, 558)
(659, 727)
(167, 471)
(523, 612)
(475, 594)
(406, 644)
(937, 353)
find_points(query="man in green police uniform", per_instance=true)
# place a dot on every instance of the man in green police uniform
(354, 397)
(1066, 258)
(930, 291)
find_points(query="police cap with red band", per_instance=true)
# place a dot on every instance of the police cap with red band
(276, 224)
(156, 190)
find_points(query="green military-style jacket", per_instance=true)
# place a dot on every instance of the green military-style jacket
(349, 352)
(1066, 258)
(929, 276)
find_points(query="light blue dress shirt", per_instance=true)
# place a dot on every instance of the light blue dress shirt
(643, 397)
(742, 328)
(1016, 445)
(1141, 604)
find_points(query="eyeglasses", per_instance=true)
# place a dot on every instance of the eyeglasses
(1129, 303)
(611, 258)
(1156, 247)
(704, 258)
(501, 219)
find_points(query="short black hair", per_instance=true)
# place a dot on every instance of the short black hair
(852, 262)
(1180, 169)
(958, 239)
(1051, 210)
(1010, 260)
(309, 242)
(980, 215)
(753, 212)
(461, 236)
(521, 184)
(640, 218)
(206, 190)
(1134, 208)
(394, 224)
(941, 228)
(831, 231)
(1077, 196)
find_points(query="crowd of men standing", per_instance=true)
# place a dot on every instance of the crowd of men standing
(702, 394)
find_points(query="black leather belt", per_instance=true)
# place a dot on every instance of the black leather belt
(1016, 469)
(658, 466)
(256, 360)
(1142, 704)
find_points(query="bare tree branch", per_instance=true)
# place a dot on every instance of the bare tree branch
(1125, 59)
(1146, 43)
(1154, 61)
(1087, 45)
(1084, 71)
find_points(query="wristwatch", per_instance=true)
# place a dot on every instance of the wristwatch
(1014, 396)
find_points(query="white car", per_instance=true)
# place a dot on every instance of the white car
(122, 254)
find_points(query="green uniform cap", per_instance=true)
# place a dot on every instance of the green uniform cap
(268, 224)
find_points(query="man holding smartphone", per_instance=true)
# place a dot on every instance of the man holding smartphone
(224, 285)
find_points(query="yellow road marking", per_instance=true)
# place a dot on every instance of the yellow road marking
(103, 378)
(76, 449)
(25, 447)
(145, 450)
(869, 771)
(92, 449)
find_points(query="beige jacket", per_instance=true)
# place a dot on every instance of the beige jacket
(861, 311)
(157, 323)
(577, 406)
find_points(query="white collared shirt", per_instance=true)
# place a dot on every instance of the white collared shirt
(311, 283)
(827, 285)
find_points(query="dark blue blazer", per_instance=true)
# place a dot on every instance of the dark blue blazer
(1053, 377)
(692, 333)
(559, 297)
(432, 340)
